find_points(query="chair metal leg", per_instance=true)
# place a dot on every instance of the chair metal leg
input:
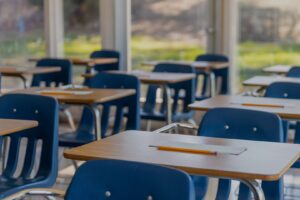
(258, 193)
(24, 80)
(192, 121)
(212, 83)
(50, 198)
(75, 164)
(167, 91)
(70, 118)
(46, 192)
(4, 152)
(148, 125)
(97, 118)
(175, 125)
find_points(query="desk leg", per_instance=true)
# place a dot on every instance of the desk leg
(97, 118)
(23, 78)
(167, 91)
(212, 79)
(90, 68)
(256, 189)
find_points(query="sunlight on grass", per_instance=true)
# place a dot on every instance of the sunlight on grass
(147, 48)
(252, 57)
(81, 46)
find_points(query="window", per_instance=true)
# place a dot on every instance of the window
(82, 30)
(168, 30)
(21, 31)
(269, 34)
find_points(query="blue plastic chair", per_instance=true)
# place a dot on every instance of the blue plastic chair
(106, 54)
(294, 72)
(63, 77)
(222, 74)
(84, 133)
(45, 111)
(149, 111)
(242, 124)
(0, 82)
(115, 180)
(286, 90)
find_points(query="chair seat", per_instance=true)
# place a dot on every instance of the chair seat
(201, 186)
(202, 97)
(76, 138)
(9, 186)
(180, 116)
(296, 164)
(292, 125)
(201, 72)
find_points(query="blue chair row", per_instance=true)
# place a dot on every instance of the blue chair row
(84, 132)
(270, 130)
(183, 91)
(220, 74)
(43, 139)
(287, 90)
(242, 124)
(247, 125)
(188, 88)
(102, 179)
(64, 77)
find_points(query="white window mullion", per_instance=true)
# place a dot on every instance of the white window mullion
(227, 35)
(115, 23)
(54, 28)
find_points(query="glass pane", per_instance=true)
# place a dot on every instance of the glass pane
(269, 35)
(168, 30)
(21, 31)
(82, 30)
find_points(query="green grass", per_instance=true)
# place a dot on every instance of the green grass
(22, 47)
(146, 48)
(252, 56)
(255, 56)
(81, 46)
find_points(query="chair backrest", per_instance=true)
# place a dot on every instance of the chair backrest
(222, 74)
(0, 81)
(187, 88)
(115, 180)
(241, 124)
(63, 77)
(43, 138)
(244, 124)
(294, 72)
(115, 81)
(286, 90)
(106, 54)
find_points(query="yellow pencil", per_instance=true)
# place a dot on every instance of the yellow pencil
(180, 149)
(263, 105)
